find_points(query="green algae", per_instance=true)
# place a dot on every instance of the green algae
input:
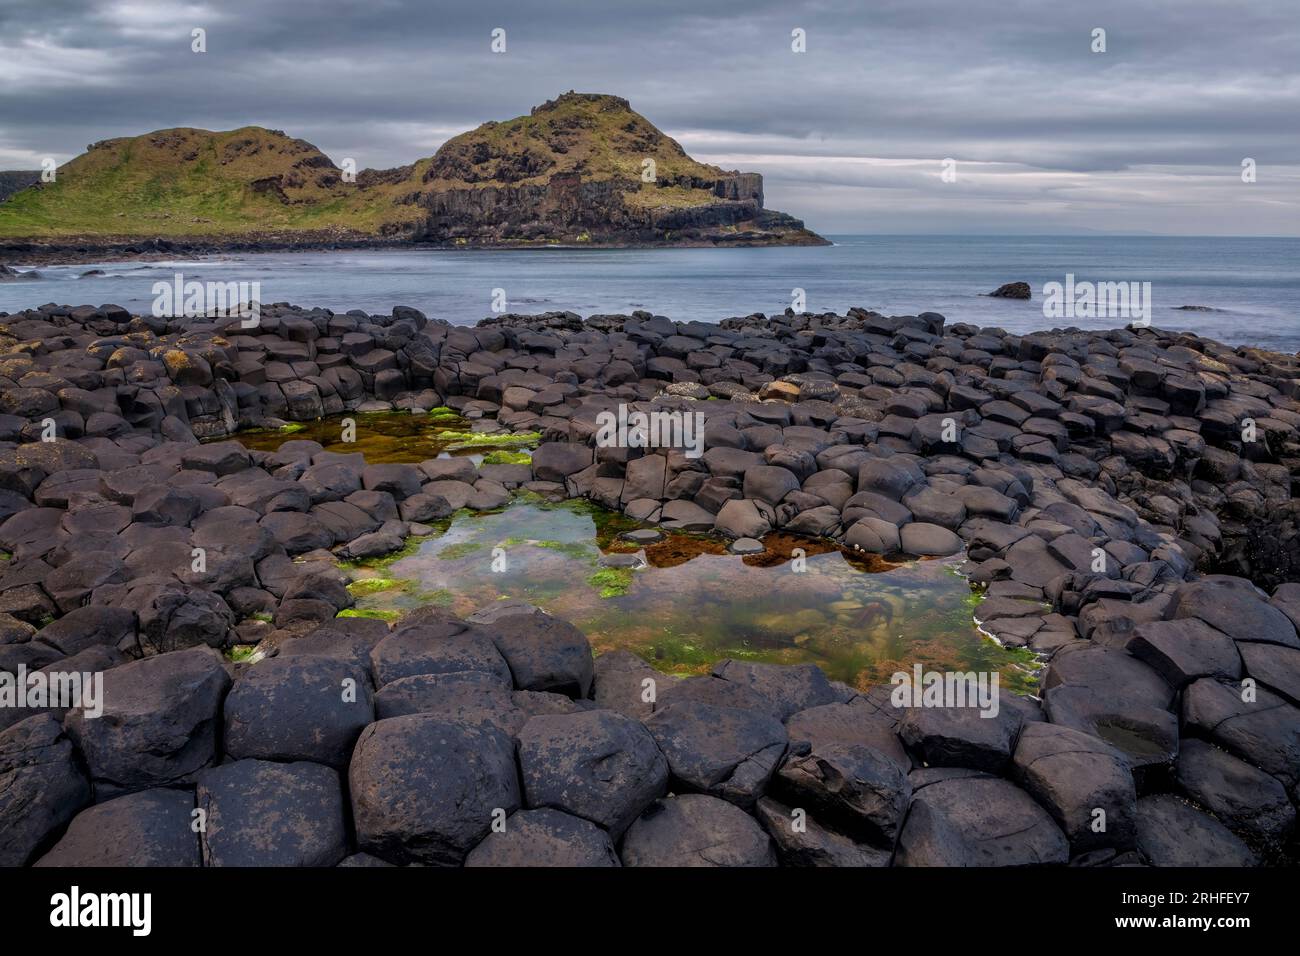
(383, 561)
(611, 582)
(507, 458)
(377, 584)
(372, 613)
(454, 552)
(466, 441)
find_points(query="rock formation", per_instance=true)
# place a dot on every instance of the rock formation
(1098, 484)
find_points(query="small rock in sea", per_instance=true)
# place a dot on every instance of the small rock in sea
(1012, 290)
(747, 546)
(642, 536)
(13, 275)
(91, 273)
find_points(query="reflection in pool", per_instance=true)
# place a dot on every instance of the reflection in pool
(693, 603)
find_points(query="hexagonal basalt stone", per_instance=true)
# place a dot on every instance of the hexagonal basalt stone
(427, 790)
(791, 688)
(148, 828)
(545, 837)
(1260, 727)
(159, 722)
(978, 821)
(437, 647)
(259, 813)
(696, 830)
(1248, 801)
(595, 764)
(1075, 775)
(860, 791)
(298, 708)
(41, 786)
(1183, 650)
(1171, 832)
(961, 736)
(543, 652)
(802, 841)
(723, 751)
(1235, 607)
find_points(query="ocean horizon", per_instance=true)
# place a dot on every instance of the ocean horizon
(1243, 289)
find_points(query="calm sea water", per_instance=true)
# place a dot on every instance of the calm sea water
(1253, 284)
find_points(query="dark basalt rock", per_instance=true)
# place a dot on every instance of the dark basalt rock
(978, 821)
(594, 764)
(1170, 832)
(1012, 290)
(543, 652)
(545, 837)
(1235, 607)
(1084, 783)
(722, 751)
(961, 736)
(471, 696)
(160, 721)
(148, 828)
(855, 722)
(802, 841)
(465, 775)
(41, 786)
(298, 708)
(1094, 481)
(443, 647)
(696, 830)
(259, 813)
(860, 791)
(1246, 800)
(789, 688)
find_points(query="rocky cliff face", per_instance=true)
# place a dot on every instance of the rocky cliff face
(587, 168)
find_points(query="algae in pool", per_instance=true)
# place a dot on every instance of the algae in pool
(388, 437)
(692, 603)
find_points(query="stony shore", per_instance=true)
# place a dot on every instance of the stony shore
(1099, 484)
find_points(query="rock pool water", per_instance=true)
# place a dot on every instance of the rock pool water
(691, 603)
(385, 437)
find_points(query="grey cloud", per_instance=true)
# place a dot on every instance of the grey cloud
(1185, 90)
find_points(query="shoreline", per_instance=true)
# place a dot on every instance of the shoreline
(75, 251)
(1095, 481)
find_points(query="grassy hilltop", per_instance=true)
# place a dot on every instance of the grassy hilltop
(571, 171)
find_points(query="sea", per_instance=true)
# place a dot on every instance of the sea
(1243, 291)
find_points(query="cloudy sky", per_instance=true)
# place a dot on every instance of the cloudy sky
(851, 135)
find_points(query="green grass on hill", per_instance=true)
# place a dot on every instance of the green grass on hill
(191, 182)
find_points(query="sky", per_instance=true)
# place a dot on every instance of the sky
(851, 135)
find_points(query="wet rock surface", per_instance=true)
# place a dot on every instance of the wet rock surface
(1125, 497)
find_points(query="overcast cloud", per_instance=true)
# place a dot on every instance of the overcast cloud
(1048, 136)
